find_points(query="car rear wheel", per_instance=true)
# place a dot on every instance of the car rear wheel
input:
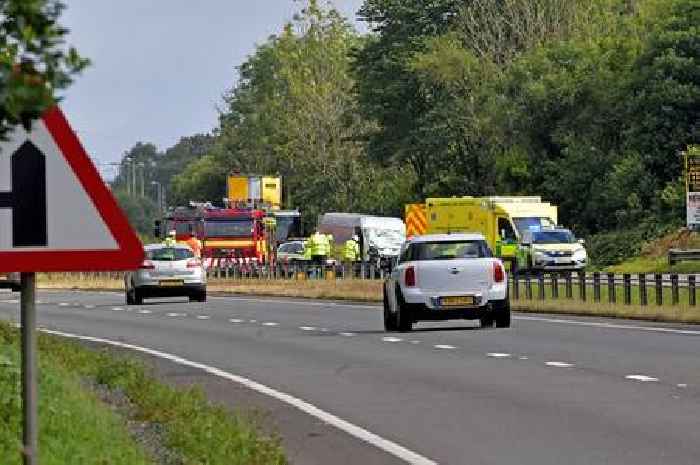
(389, 316)
(502, 314)
(404, 320)
(200, 296)
(486, 320)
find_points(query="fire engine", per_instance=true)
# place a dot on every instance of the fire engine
(228, 235)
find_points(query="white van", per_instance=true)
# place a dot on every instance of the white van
(380, 237)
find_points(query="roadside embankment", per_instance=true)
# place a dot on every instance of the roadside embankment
(99, 407)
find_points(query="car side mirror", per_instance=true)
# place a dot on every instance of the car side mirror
(157, 230)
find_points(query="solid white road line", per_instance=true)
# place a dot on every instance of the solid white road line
(642, 378)
(356, 431)
(598, 324)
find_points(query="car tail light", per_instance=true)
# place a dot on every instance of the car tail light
(499, 274)
(194, 263)
(410, 277)
(147, 265)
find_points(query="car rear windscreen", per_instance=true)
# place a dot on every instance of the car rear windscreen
(169, 254)
(446, 250)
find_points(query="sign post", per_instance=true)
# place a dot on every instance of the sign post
(56, 214)
(692, 182)
(29, 362)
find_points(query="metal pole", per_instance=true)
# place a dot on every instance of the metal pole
(29, 363)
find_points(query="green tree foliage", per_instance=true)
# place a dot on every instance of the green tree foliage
(293, 112)
(34, 61)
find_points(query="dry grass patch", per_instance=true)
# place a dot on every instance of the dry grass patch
(82, 281)
(677, 314)
(350, 289)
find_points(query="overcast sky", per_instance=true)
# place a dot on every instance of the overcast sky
(160, 66)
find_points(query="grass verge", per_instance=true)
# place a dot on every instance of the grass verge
(77, 429)
(653, 265)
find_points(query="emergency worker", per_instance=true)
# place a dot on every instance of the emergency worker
(351, 250)
(196, 246)
(170, 240)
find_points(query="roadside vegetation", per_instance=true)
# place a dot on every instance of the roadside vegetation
(151, 423)
(588, 103)
(653, 255)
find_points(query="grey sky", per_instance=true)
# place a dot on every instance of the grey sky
(160, 66)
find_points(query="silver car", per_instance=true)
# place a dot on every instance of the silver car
(167, 271)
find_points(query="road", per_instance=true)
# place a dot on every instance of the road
(550, 390)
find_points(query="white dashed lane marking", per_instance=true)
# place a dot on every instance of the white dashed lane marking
(444, 347)
(118, 309)
(560, 364)
(307, 328)
(63, 304)
(88, 307)
(498, 355)
(235, 320)
(682, 385)
(252, 321)
(392, 339)
(642, 378)
(270, 323)
(175, 314)
(347, 334)
(203, 317)
(145, 312)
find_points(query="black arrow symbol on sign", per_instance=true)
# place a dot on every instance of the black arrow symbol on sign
(28, 197)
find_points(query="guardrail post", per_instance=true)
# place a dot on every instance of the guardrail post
(627, 283)
(569, 286)
(362, 270)
(540, 286)
(643, 299)
(218, 272)
(516, 287)
(612, 297)
(528, 286)
(659, 284)
(596, 287)
(675, 294)
(691, 290)
(582, 285)
(555, 285)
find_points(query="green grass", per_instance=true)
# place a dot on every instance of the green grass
(683, 312)
(75, 427)
(653, 265)
(74, 432)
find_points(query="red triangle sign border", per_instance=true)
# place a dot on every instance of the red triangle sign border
(129, 252)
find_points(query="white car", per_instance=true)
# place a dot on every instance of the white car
(443, 277)
(167, 271)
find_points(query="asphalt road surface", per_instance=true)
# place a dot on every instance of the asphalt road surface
(550, 390)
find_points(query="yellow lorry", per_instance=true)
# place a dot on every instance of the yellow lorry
(502, 220)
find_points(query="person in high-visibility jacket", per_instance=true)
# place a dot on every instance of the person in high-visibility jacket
(196, 246)
(319, 247)
(351, 250)
(170, 240)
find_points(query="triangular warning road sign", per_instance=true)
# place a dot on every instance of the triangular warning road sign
(56, 214)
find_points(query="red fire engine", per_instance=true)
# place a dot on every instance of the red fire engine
(228, 235)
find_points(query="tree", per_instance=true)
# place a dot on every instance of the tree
(34, 63)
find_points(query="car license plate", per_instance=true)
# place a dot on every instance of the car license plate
(461, 301)
(172, 283)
